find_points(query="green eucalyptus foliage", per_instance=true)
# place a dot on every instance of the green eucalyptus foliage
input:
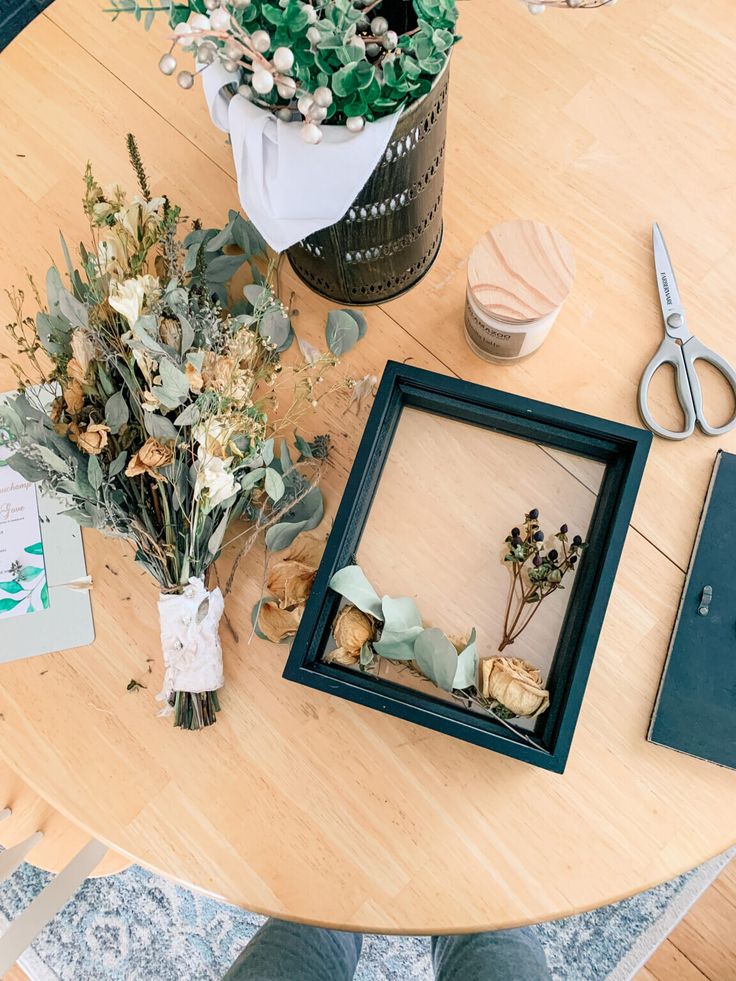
(361, 86)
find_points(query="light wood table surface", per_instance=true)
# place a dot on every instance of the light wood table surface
(303, 805)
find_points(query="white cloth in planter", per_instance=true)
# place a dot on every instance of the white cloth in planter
(289, 188)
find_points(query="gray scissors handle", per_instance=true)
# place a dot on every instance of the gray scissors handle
(694, 351)
(670, 353)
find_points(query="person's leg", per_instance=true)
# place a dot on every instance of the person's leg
(506, 955)
(282, 951)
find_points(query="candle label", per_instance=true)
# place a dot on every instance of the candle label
(23, 586)
(490, 340)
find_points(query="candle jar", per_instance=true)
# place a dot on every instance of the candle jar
(519, 276)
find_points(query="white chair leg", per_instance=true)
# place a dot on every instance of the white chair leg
(24, 928)
(11, 858)
(5, 813)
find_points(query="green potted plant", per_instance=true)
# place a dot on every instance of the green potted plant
(364, 85)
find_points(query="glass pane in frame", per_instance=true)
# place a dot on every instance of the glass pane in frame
(449, 495)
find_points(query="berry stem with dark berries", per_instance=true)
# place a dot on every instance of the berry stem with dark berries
(536, 572)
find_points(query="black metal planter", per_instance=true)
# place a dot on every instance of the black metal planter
(391, 233)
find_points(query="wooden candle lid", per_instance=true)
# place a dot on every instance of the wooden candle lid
(520, 271)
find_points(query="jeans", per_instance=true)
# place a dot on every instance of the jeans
(283, 951)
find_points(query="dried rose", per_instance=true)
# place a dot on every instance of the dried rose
(217, 372)
(75, 371)
(68, 429)
(307, 549)
(341, 656)
(515, 684)
(196, 382)
(74, 398)
(277, 624)
(169, 331)
(149, 458)
(57, 407)
(352, 628)
(290, 582)
(149, 402)
(94, 439)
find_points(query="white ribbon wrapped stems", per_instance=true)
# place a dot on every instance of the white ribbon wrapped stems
(190, 641)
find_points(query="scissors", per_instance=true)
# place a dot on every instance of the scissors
(680, 349)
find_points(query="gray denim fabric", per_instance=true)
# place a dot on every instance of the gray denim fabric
(283, 951)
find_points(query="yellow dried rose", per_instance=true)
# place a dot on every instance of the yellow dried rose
(352, 628)
(290, 582)
(170, 331)
(74, 398)
(217, 371)
(75, 371)
(94, 438)
(307, 549)
(196, 382)
(341, 656)
(69, 429)
(278, 624)
(515, 684)
(149, 458)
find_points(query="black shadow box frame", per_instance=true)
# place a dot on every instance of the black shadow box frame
(623, 450)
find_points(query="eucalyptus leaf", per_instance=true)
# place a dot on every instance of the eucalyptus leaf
(398, 645)
(116, 412)
(54, 289)
(74, 310)
(224, 237)
(94, 473)
(252, 478)
(188, 416)
(215, 540)
(266, 451)
(49, 326)
(275, 327)
(399, 614)
(223, 267)
(118, 464)
(352, 583)
(190, 260)
(187, 335)
(436, 658)
(257, 295)
(160, 427)
(51, 459)
(307, 515)
(285, 457)
(274, 484)
(360, 320)
(466, 673)
(366, 655)
(143, 331)
(341, 332)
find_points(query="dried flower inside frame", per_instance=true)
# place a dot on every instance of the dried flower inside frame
(536, 572)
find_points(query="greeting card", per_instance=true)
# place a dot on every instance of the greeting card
(23, 585)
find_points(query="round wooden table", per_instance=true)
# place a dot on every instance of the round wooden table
(302, 805)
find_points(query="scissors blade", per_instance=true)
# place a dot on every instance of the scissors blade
(669, 295)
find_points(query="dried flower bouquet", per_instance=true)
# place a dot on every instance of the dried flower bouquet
(147, 404)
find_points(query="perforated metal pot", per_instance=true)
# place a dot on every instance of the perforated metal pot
(391, 233)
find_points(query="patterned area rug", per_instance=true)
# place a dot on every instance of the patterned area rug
(15, 15)
(136, 926)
